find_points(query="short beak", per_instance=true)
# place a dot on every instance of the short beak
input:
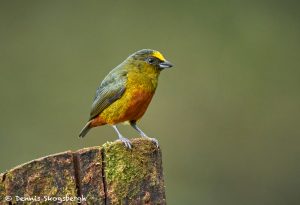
(165, 64)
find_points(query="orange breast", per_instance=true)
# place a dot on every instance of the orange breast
(137, 106)
(131, 107)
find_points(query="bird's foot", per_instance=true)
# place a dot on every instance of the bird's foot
(155, 141)
(126, 142)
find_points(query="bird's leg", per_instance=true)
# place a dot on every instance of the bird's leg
(126, 141)
(133, 124)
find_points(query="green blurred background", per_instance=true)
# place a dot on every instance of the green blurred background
(227, 116)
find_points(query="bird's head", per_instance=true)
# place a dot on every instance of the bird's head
(148, 58)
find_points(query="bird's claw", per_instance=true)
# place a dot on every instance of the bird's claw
(126, 142)
(155, 141)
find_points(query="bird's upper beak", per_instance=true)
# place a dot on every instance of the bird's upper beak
(165, 64)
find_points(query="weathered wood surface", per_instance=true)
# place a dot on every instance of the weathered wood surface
(111, 174)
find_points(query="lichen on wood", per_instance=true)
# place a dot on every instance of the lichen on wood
(49, 176)
(2, 187)
(133, 176)
(89, 171)
(111, 174)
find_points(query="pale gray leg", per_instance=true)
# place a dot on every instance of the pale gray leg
(126, 141)
(133, 124)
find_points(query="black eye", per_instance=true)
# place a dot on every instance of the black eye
(151, 60)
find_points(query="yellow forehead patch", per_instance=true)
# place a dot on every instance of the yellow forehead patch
(158, 55)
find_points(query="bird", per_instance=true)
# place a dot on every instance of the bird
(125, 93)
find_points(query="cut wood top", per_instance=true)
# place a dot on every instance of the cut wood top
(108, 174)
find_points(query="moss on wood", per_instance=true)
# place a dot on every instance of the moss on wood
(133, 175)
(112, 174)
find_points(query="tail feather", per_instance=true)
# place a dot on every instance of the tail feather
(85, 129)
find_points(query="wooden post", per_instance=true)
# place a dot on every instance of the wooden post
(111, 174)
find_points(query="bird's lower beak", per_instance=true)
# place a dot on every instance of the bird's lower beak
(165, 64)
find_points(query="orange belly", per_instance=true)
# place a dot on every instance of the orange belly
(131, 107)
(137, 106)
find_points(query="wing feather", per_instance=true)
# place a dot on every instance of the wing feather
(111, 89)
